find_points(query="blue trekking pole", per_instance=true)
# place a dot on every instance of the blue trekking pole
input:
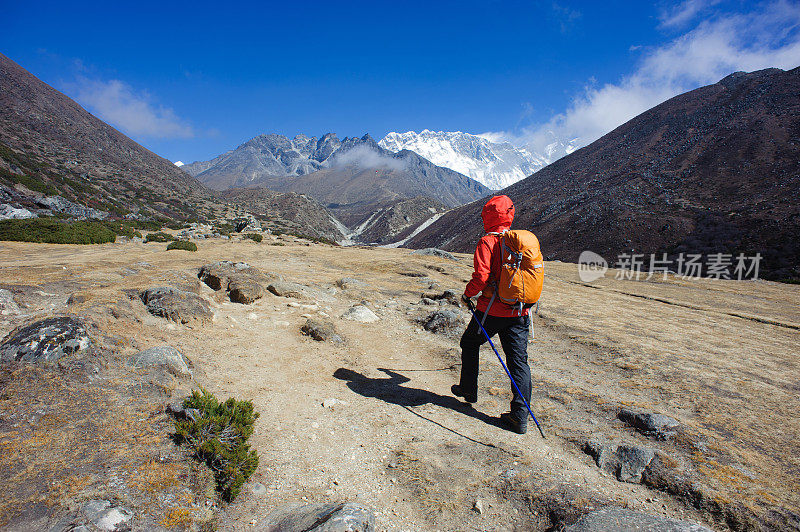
(472, 310)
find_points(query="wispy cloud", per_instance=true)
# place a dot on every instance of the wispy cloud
(134, 112)
(366, 157)
(713, 49)
(684, 13)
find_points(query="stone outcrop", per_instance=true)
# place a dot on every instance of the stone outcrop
(176, 305)
(46, 340)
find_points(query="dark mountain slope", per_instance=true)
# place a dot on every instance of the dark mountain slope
(287, 212)
(48, 138)
(715, 170)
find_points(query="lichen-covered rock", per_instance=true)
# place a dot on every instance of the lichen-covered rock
(624, 520)
(626, 462)
(444, 322)
(346, 517)
(656, 425)
(321, 331)
(163, 356)
(176, 305)
(46, 340)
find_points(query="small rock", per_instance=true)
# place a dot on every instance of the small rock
(477, 506)
(258, 489)
(508, 474)
(655, 425)
(321, 331)
(361, 314)
(287, 289)
(626, 462)
(349, 282)
(444, 321)
(8, 307)
(165, 356)
(331, 402)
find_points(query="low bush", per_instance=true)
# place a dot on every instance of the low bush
(254, 236)
(217, 435)
(54, 231)
(182, 244)
(159, 237)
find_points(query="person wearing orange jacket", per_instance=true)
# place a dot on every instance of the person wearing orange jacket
(510, 323)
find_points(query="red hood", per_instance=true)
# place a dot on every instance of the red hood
(497, 214)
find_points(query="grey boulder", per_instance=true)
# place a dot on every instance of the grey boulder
(626, 462)
(176, 305)
(443, 322)
(346, 517)
(321, 331)
(657, 425)
(623, 520)
(46, 340)
(361, 314)
(163, 356)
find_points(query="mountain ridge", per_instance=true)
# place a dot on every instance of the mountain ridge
(714, 170)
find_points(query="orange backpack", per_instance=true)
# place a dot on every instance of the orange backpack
(521, 271)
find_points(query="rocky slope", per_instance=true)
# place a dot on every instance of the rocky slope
(715, 170)
(51, 144)
(286, 211)
(335, 171)
(265, 155)
(494, 164)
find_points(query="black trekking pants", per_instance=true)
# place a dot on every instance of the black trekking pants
(513, 334)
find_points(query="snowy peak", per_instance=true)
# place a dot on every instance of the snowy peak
(494, 164)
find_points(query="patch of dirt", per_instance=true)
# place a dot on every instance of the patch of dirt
(392, 437)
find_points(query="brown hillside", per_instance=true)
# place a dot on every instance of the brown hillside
(715, 170)
(47, 136)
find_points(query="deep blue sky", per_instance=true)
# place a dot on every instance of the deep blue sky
(215, 74)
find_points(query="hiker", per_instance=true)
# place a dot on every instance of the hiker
(510, 322)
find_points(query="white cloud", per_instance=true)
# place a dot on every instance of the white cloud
(682, 14)
(134, 113)
(366, 157)
(702, 56)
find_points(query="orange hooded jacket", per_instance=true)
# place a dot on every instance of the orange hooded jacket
(497, 214)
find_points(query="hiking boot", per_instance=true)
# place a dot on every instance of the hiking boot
(458, 392)
(513, 424)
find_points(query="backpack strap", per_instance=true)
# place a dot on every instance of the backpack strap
(493, 281)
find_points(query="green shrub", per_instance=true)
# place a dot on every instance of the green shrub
(53, 231)
(217, 435)
(254, 237)
(182, 244)
(159, 237)
(31, 183)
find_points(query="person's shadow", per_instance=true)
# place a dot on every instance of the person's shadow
(391, 391)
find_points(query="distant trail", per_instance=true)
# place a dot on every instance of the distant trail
(686, 305)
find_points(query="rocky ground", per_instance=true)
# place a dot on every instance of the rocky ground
(665, 403)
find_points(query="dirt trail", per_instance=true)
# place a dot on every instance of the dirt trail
(393, 438)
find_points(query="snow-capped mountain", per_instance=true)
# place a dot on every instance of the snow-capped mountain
(494, 164)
